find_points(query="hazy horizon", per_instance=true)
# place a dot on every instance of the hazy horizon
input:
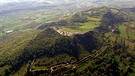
(8, 1)
(5, 1)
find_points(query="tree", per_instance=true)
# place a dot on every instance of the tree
(110, 19)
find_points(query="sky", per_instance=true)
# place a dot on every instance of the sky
(5, 1)
(51, 1)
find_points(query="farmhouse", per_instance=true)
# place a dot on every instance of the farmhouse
(10, 31)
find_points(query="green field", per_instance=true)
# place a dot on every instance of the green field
(123, 31)
(83, 27)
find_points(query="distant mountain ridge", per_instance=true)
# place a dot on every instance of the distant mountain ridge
(21, 5)
(60, 1)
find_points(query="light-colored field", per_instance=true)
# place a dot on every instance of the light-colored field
(83, 28)
(122, 31)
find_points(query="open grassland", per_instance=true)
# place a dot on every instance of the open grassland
(127, 31)
(88, 26)
(83, 27)
(94, 19)
(122, 29)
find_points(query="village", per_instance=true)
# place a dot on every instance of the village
(64, 33)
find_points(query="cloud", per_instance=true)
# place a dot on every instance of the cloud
(66, 0)
(5, 1)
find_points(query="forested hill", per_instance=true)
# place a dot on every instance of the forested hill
(50, 43)
(102, 44)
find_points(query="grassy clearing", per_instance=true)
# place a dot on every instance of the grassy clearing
(131, 45)
(38, 67)
(86, 65)
(94, 19)
(131, 34)
(132, 24)
(88, 26)
(1, 34)
(112, 38)
(69, 29)
(121, 65)
(114, 10)
(107, 34)
(84, 27)
(131, 74)
(122, 29)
